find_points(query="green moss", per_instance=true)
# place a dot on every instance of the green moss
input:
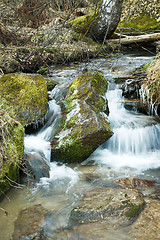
(134, 210)
(74, 152)
(83, 24)
(26, 94)
(11, 151)
(143, 23)
(153, 80)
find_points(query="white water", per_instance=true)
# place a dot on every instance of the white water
(133, 149)
(40, 142)
(135, 145)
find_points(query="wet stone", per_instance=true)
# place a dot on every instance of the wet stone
(30, 224)
(147, 225)
(147, 187)
(35, 166)
(121, 206)
(137, 183)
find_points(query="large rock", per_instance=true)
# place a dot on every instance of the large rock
(32, 223)
(120, 206)
(11, 150)
(84, 123)
(26, 94)
(102, 23)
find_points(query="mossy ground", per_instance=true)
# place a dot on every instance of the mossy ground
(142, 24)
(138, 17)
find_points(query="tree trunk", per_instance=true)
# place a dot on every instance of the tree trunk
(108, 19)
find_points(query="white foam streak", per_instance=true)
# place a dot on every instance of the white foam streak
(34, 144)
(64, 174)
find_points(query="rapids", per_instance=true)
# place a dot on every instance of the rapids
(133, 150)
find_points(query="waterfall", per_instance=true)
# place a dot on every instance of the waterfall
(135, 144)
(40, 142)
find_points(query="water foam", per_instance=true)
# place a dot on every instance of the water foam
(135, 145)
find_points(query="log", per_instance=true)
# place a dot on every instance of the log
(136, 39)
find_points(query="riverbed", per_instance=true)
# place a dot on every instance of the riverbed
(133, 151)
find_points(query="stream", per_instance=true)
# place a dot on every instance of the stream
(133, 151)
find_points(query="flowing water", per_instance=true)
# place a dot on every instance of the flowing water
(133, 150)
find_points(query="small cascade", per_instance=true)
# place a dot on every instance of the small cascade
(40, 142)
(135, 143)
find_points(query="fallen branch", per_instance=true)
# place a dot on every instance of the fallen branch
(136, 39)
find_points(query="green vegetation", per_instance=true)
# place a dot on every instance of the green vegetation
(145, 66)
(26, 94)
(11, 151)
(43, 70)
(143, 23)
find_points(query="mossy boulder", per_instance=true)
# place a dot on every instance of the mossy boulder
(84, 23)
(83, 125)
(11, 150)
(26, 94)
(120, 206)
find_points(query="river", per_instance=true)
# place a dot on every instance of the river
(133, 151)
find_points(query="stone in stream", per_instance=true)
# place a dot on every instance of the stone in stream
(31, 224)
(35, 166)
(148, 188)
(136, 183)
(84, 124)
(147, 226)
(119, 207)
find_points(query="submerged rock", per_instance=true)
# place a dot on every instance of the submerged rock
(11, 150)
(84, 123)
(120, 206)
(35, 166)
(147, 225)
(137, 183)
(26, 94)
(30, 224)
